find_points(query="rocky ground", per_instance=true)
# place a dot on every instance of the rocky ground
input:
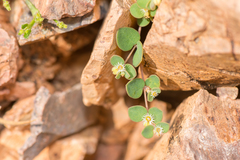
(59, 83)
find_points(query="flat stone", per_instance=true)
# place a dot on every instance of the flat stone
(203, 127)
(227, 92)
(55, 116)
(191, 47)
(20, 15)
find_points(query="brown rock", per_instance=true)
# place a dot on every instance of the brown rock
(97, 77)
(118, 125)
(56, 116)
(10, 142)
(203, 127)
(110, 152)
(9, 51)
(51, 9)
(20, 111)
(227, 92)
(194, 45)
(138, 146)
(19, 91)
(20, 15)
(70, 42)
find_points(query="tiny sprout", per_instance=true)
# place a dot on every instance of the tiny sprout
(148, 119)
(6, 5)
(158, 130)
(38, 18)
(60, 24)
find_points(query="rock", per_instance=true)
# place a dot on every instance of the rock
(20, 111)
(111, 152)
(19, 91)
(97, 78)
(118, 125)
(20, 15)
(51, 9)
(70, 42)
(56, 116)
(9, 51)
(227, 92)
(191, 47)
(140, 145)
(10, 142)
(203, 127)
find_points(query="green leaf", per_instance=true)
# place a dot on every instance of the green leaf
(115, 60)
(151, 5)
(142, 22)
(131, 70)
(153, 13)
(153, 81)
(127, 38)
(137, 58)
(165, 126)
(157, 114)
(136, 113)
(135, 88)
(143, 3)
(127, 75)
(118, 76)
(156, 90)
(149, 97)
(24, 26)
(148, 131)
(27, 33)
(136, 11)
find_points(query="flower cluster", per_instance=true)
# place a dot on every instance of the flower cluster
(119, 69)
(149, 120)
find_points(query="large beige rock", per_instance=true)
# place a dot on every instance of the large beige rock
(51, 9)
(140, 145)
(97, 78)
(92, 13)
(203, 127)
(9, 51)
(194, 44)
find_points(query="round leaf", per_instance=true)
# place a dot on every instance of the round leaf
(135, 88)
(148, 131)
(137, 58)
(136, 113)
(153, 81)
(116, 59)
(149, 97)
(165, 126)
(118, 75)
(127, 75)
(153, 13)
(127, 38)
(142, 22)
(136, 11)
(143, 3)
(157, 114)
(131, 71)
(156, 90)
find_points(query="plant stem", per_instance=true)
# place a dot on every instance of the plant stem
(144, 89)
(130, 54)
(32, 8)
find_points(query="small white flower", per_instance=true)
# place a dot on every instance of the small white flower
(158, 130)
(153, 94)
(119, 68)
(148, 119)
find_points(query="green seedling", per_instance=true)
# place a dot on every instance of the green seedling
(6, 5)
(60, 24)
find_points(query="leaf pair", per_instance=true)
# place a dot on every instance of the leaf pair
(121, 69)
(135, 87)
(149, 130)
(126, 39)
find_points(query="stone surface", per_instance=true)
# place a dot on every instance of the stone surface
(97, 78)
(19, 90)
(20, 111)
(9, 51)
(56, 116)
(140, 145)
(51, 9)
(117, 124)
(227, 92)
(20, 15)
(203, 127)
(194, 44)
(110, 152)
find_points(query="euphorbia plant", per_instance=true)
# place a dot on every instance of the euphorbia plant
(129, 39)
(37, 18)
